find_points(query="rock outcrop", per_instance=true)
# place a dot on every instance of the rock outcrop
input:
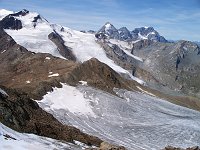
(174, 65)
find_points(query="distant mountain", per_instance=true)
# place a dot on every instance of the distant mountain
(109, 30)
(123, 34)
(197, 42)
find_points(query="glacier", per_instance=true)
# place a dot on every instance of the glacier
(135, 120)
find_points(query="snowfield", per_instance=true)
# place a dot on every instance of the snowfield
(136, 120)
(68, 98)
(84, 47)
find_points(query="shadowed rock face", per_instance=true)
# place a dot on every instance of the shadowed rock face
(63, 50)
(20, 113)
(9, 22)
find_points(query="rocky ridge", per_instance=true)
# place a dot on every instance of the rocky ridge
(123, 34)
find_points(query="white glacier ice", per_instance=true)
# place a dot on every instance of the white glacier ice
(137, 120)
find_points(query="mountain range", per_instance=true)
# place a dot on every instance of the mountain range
(104, 90)
(123, 34)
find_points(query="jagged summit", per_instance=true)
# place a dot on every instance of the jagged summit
(109, 30)
(20, 13)
(124, 34)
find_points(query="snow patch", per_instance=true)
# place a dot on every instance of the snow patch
(54, 75)
(48, 58)
(68, 98)
(145, 91)
(137, 79)
(3, 92)
(142, 37)
(3, 51)
(107, 27)
(83, 82)
(28, 82)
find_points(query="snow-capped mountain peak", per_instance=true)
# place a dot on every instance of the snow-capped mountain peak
(109, 30)
(108, 26)
(124, 34)
(147, 33)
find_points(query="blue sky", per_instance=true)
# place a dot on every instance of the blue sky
(174, 19)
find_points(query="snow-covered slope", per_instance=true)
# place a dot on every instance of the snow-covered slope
(85, 47)
(74, 102)
(4, 12)
(34, 35)
(12, 140)
(137, 121)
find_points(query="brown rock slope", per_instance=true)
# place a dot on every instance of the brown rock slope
(99, 75)
(28, 71)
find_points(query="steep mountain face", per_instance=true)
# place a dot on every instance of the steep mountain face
(147, 33)
(175, 65)
(123, 34)
(109, 30)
